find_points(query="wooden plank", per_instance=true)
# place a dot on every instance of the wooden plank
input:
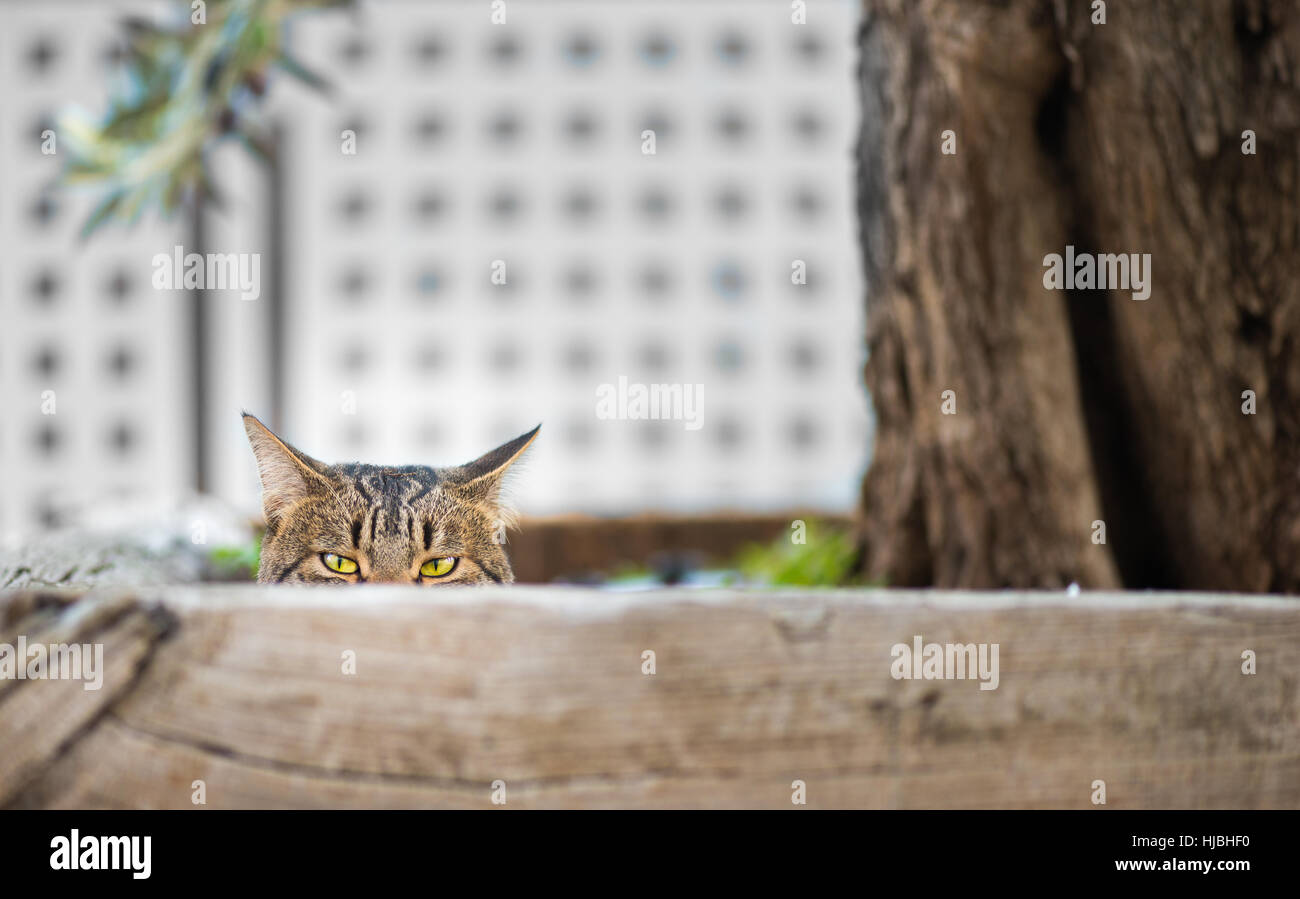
(42, 719)
(573, 546)
(243, 688)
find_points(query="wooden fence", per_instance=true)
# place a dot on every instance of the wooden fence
(542, 697)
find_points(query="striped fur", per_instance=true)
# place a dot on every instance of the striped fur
(390, 520)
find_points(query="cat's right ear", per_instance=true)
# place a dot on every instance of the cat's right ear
(287, 474)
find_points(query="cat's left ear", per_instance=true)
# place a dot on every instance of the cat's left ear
(287, 474)
(481, 479)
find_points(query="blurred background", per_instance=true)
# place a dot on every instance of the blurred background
(446, 147)
(469, 217)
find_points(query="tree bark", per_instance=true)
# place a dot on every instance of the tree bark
(1075, 407)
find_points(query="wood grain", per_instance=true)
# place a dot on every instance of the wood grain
(542, 688)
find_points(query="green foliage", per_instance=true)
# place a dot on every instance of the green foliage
(827, 559)
(183, 90)
(235, 563)
(629, 572)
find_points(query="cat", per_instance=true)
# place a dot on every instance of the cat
(354, 523)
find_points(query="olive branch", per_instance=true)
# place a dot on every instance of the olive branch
(184, 88)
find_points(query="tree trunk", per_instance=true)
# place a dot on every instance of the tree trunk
(1082, 406)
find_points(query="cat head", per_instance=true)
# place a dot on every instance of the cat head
(353, 523)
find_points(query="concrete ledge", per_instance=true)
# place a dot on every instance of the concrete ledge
(542, 688)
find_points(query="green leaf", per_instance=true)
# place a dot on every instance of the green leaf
(102, 213)
(182, 89)
(308, 77)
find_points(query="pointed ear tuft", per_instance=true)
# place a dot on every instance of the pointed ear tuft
(482, 478)
(287, 475)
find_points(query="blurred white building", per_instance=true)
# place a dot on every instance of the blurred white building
(380, 334)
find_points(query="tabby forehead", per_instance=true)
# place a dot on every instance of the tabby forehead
(388, 484)
(389, 516)
(393, 507)
(388, 519)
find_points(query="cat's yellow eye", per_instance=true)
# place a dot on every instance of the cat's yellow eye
(335, 562)
(438, 567)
